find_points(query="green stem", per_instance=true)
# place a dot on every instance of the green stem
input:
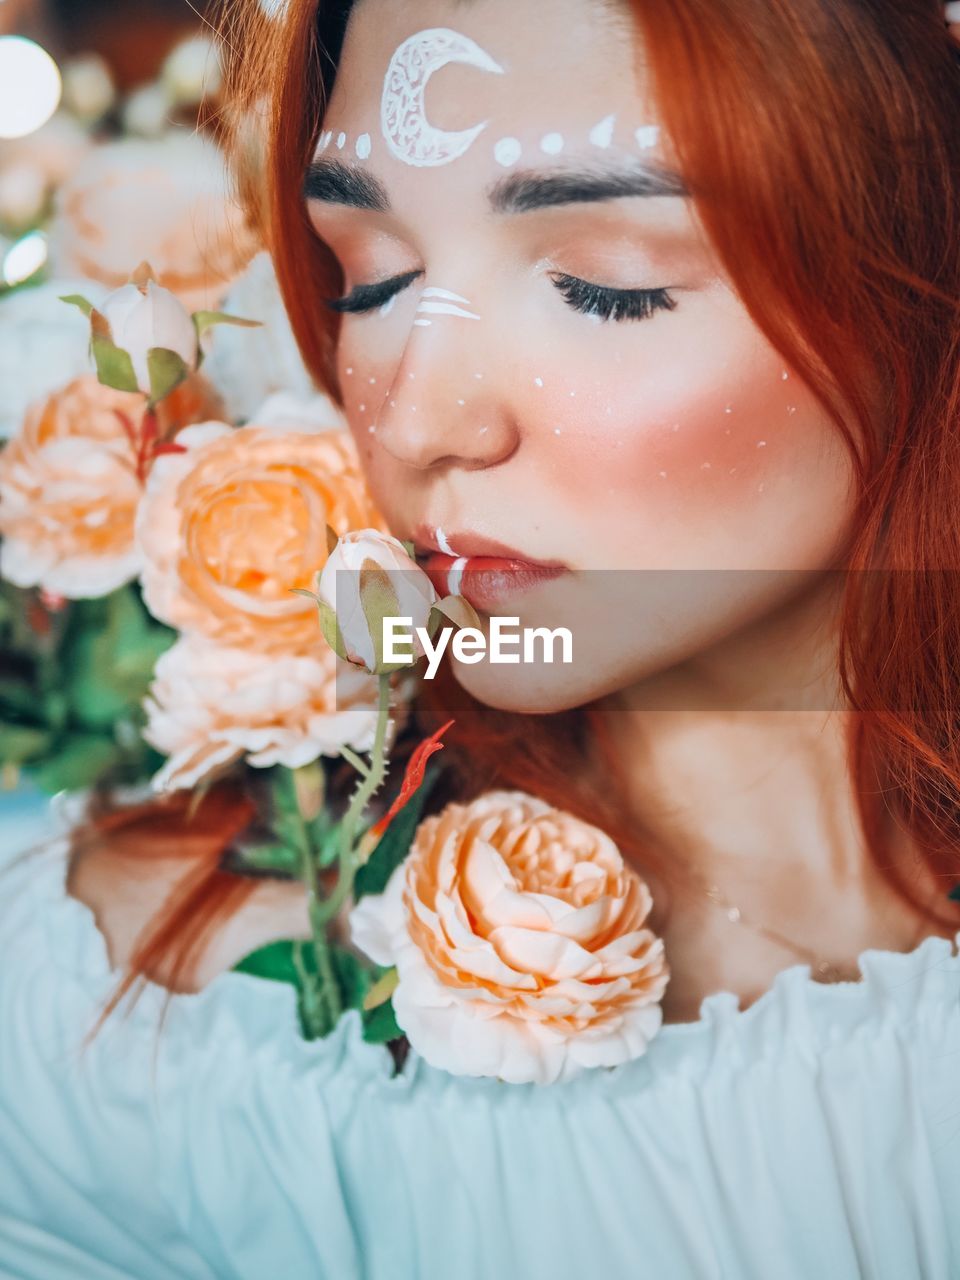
(360, 765)
(361, 798)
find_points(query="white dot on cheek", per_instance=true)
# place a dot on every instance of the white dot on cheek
(350, 370)
(363, 408)
(373, 382)
(483, 430)
(538, 382)
(784, 375)
(461, 403)
(507, 152)
(761, 444)
(556, 431)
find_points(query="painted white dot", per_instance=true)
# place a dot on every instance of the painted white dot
(759, 488)
(732, 471)
(601, 135)
(647, 136)
(676, 426)
(551, 144)
(726, 431)
(484, 429)
(663, 474)
(507, 151)
(341, 139)
(373, 382)
(350, 369)
(573, 393)
(362, 146)
(761, 444)
(538, 382)
(791, 408)
(728, 409)
(461, 403)
(363, 408)
(393, 404)
(704, 466)
(478, 376)
(371, 428)
(784, 375)
(556, 431)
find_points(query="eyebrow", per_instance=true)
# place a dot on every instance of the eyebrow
(333, 182)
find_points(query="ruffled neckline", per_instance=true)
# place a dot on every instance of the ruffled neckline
(900, 989)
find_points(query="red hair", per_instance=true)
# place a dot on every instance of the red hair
(822, 146)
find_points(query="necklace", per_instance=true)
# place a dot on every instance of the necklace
(824, 970)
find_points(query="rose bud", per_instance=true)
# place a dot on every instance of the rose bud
(377, 580)
(146, 317)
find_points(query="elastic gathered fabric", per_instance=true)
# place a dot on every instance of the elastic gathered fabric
(816, 1133)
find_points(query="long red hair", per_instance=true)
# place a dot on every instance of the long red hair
(820, 138)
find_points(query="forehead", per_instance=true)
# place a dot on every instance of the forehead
(507, 72)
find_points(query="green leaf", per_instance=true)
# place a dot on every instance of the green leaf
(459, 611)
(114, 366)
(271, 857)
(167, 370)
(330, 629)
(22, 743)
(353, 977)
(77, 300)
(273, 962)
(81, 761)
(380, 1024)
(395, 843)
(381, 990)
(204, 320)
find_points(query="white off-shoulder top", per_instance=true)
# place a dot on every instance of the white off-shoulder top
(813, 1136)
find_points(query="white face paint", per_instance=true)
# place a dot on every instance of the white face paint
(601, 135)
(409, 134)
(507, 151)
(647, 136)
(443, 544)
(441, 302)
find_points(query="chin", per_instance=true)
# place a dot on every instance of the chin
(532, 690)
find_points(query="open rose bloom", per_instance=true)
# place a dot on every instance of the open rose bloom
(232, 525)
(209, 704)
(69, 488)
(518, 936)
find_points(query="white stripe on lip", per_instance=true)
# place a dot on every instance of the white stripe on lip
(454, 576)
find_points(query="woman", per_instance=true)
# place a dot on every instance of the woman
(662, 299)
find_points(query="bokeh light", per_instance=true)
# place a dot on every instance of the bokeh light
(30, 86)
(25, 258)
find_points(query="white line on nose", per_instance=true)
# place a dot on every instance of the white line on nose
(446, 305)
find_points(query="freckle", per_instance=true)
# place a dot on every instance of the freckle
(761, 444)
(538, 382)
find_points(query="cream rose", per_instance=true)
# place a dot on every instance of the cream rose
(340, 586)
(69, 487)
(231, 525)
(209, 705)
(517, 934)
(166, 202)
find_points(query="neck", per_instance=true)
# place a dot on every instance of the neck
(739, 755)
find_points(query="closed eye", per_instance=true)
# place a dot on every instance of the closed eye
(612, 304)
(368, 297)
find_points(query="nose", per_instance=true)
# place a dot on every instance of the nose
(447, 405)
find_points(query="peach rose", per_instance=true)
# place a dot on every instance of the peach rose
(228, 527)
(517, 934)
(164, 201)
(69, 488)
(209, 705)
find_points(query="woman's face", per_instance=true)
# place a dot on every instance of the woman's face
(539, 348)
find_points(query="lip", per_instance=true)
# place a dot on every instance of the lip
(486, 573)
(473, 546)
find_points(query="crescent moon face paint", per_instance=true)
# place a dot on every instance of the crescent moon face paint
(408, 133)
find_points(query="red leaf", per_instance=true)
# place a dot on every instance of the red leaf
(413, 776)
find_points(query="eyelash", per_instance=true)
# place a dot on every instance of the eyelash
(612, 304)
(589, 299)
